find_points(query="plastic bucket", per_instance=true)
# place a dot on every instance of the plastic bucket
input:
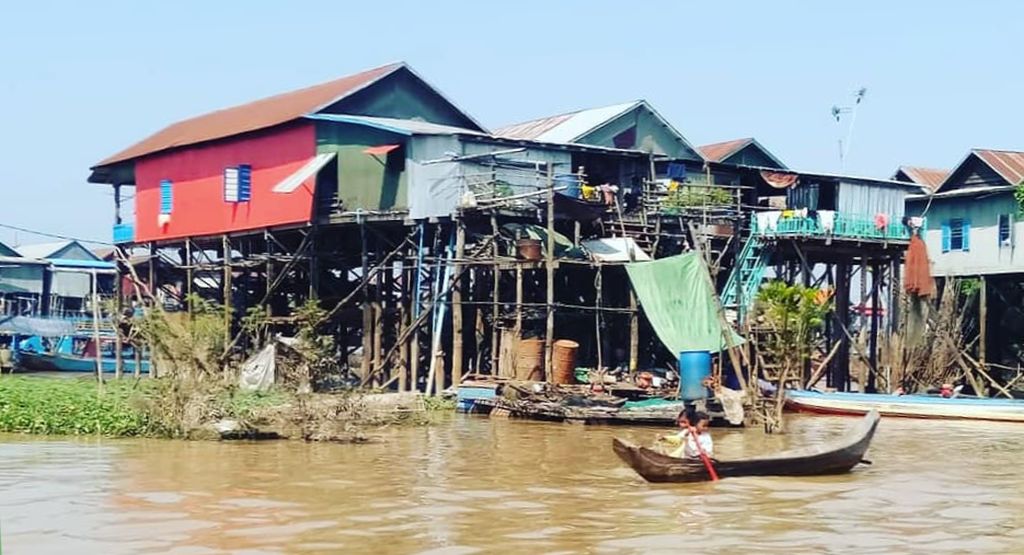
(571, 182)
(694, 368)
(563, 361)
(529, 249)
(530, 360)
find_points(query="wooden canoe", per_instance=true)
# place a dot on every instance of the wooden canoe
(908, 406)
(831, 458)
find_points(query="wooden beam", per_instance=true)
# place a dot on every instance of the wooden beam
(495, 299)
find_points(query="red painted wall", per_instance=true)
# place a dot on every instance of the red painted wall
(198, 191)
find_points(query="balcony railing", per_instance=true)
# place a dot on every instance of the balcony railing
(124, 233)
(788, 223)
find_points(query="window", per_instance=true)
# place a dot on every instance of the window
(956, 235)
(1005, 230)
(238, 183)
(166, 196)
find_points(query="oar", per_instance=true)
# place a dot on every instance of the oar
(704, 456)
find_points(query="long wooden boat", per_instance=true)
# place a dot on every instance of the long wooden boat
(831, 458)
(64, 356)
(909, 406)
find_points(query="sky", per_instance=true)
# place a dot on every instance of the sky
(82, 80)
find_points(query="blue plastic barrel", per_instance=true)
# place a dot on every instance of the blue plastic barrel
(571, 182)
(694, 368)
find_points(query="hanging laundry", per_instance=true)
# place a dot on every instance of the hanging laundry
(827, 219)
(881, 220)
(767, 221)
(916, 222)
(786, 214)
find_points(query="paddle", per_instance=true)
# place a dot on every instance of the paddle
(703, 456)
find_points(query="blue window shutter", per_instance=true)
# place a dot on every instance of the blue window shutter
(967, 234)
(166, 196)
(946, 236)
(244, 183)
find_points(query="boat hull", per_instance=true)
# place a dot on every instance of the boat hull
(48, 362)
(832, 458)
(907, 406)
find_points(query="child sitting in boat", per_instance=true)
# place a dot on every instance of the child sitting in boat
(692, 437)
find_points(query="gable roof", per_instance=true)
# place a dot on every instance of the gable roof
(565, 128)
(261, 114)
(931, 178)
(573, 127)
(57, 249)
(1009, 164)
(721, 152)
(7, 251)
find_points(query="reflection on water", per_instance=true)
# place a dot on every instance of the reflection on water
(477, 485)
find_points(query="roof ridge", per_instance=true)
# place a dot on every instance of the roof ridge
(572, 113)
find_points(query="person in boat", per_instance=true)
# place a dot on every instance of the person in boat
(692, 437)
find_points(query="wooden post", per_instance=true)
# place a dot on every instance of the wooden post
(982, 324)
(188, 276)
(96, 327)
(598, 306)
(634, 332)
(367, 305)
(549, 259)
(894, 304)
(226, 247)
(457, 328)
(314, 264)
(519, 298)
(841, 368)
(269, 273)
(116, 321)
(495, 298)
(404, 321)
(414, 337)
(876, 276)
(137, 348)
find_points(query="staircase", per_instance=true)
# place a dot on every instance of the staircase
(746, 275)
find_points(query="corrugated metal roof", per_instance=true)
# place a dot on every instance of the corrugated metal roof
(1007, 163)
(252, 116)
(716, 152)
(565, 128)
(931, 178)
(401, 126)
(43, 250)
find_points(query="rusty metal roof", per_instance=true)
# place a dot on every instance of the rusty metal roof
(565, 128)
(716, 152)
(253, 116)
(1007, 163)
(932, 178)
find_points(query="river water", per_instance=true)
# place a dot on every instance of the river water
(474, 485)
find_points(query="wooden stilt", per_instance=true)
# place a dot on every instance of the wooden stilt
(116, 321)
(876, 276)
(982, 324)
(599, 305)
(495, 299)
(226, 247)
(404, 318)
(841, 375)
(367, 332)
(634, 332)
(549, 259)
(457, 326)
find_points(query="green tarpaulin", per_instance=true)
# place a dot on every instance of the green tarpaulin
(676, 296)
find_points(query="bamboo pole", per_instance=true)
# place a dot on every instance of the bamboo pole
(549, 261)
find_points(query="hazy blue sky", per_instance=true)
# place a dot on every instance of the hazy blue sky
(81, 80)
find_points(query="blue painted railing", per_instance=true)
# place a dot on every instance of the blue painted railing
(847, 226)
(124, 233)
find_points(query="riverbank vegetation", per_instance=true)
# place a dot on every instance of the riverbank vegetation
(176, 408)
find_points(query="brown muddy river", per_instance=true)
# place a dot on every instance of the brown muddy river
(474, 485)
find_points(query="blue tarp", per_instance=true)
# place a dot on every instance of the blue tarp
(28, 325)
